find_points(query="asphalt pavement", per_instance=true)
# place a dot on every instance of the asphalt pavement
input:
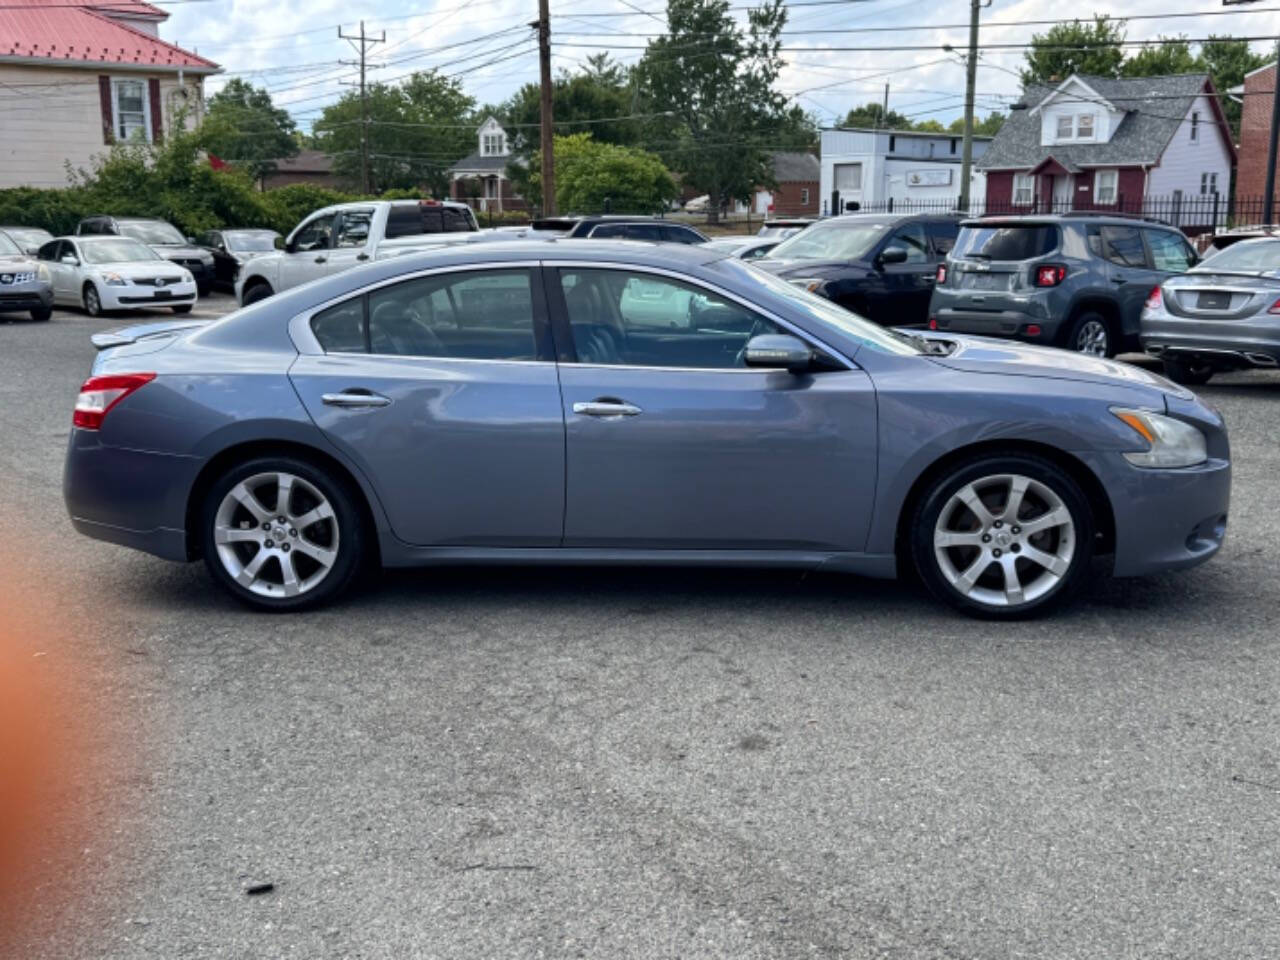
(606, 763)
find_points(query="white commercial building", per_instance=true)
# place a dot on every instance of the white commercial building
(872, 168)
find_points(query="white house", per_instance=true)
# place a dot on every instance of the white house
(78, 75)
(486, 169)
(1134, 144)
(870, 168)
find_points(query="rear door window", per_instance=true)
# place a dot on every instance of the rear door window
(1123, 245)
(609, 231)
(410, 220)
(1170, 251)
(353, 228)
(942, 234)
(1006, 241)
(645, 231)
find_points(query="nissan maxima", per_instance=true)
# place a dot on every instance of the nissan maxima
(102, 274)
(583, 403)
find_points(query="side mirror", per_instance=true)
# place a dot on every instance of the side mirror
(290, 247)
(893, 255)
(70, 260)
(33, 250)
(778, 350)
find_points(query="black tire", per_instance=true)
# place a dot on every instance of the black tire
(1078, 542)
(92, 301)
(182, 308)
(41, 314)
(1082, 335)
(259, 291)
(202, 289)
(1187, 372)
(350, 533)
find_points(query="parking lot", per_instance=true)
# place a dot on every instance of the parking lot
(615, 763)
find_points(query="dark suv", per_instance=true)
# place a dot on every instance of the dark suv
(880, 266)
(162, 237)
(1073, 280)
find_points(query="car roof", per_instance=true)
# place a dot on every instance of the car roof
(243, 230)
(1077, 216)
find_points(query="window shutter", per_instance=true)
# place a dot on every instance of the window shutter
(104, 100)
(157, 114)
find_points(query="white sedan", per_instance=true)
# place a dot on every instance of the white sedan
(114, 273)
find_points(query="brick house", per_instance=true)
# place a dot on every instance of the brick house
(314, 167)
(796, 194)
(79, 75)
(1104, 143)
(480, 178)
(1255, 137)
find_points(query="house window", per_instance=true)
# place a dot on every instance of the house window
(492, 145)
(1084, 126)
(130, 111)
(1065, 130)
(1208, 183)
(1195, 128)
(848, 176)
(1104, 186)
(953, 144)
(804, 196)
(893, 142)
(1023, 189)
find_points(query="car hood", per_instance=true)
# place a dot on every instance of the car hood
(171, 250)
(989, 355)
(804, 268)
(16, 262)
(134, 269)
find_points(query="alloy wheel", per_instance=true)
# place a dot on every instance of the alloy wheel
(1004, 540)
(92, 303)
(1092, 338)
(276, 534)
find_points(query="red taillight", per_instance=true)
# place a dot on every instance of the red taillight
(100, 394)
(1050, 274)
(942, 273)
(1032, 330)
(1155, 300)
(933, 323)
(1274, 308)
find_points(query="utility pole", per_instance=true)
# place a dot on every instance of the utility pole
(970, 78)
(362, 43)
(1269, 195)
(548, 134)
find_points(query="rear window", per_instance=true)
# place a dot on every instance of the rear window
(1006, 241)
(410, 221)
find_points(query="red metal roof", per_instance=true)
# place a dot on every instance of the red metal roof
(76, 32)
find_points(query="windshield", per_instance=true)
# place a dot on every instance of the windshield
(250, 242)
(825, 313)
(116, 250)
(31, 236)
(7, 246)
(1250, 256)
(1006, 241)
(832, 240)
(152, 232)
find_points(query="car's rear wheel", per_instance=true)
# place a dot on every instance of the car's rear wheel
(92, 302)
(282, 533)
(259, 291)
(1003, 537)
(1091, 334)
(1189, 372)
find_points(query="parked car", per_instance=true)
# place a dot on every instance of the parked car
(780, 228)
(1072, 280)
(1223, 314)
(162, 237)
(518, 403)
(28, 239)
(744, 248)
(698, 204)
(612, 227)
(880, 266)
(24, 285)
(231, 249)
(102, 274)
(340, 237)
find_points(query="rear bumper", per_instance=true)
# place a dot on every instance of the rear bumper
(129, 497)
(999, 323)
(1250, 341)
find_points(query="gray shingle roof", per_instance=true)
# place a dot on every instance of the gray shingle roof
(1154, 106)
(475, 163)
(795, 167)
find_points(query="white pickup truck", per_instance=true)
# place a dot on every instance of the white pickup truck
(348, 234)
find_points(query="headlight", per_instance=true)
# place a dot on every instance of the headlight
(187, 277)
(807, 283)
(43, 273)
(113, 279)
(1169, 442)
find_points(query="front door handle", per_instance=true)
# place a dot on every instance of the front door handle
(606, 407)
(322, 259)
(355, 398)
(1116, 279)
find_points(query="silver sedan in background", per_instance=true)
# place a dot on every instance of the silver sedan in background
(1223, 314)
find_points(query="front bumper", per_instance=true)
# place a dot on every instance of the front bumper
(1250, 341)
(201, 271)
(31, 295)
(129, 497)
(134, 296)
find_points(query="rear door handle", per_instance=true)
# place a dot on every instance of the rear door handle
(322, 259)
(355, 398)
(606, 407)
(1116, 279)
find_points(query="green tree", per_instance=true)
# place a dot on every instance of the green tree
(1075, 47)
(244, 127)
(591, 176)
(1227, 61)
(601, 90)
(713, 81)
(1167, 56)
(929, 126)
(987, 127)
(417, 130)
(873, 115)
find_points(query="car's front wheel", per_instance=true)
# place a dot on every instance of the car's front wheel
(92, 301)
(282, 533)
(182, 308)
(1003, 537)
(259, 291)
(42, 313)
(1192, 373)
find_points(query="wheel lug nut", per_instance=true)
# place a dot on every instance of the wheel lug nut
(284, 547)
(266, 525)
(986, 538)
(279, 519)
(1015, 529)
(266, 544)
(1016, 548)
(998, 524)
(996, 552)
(293, 532)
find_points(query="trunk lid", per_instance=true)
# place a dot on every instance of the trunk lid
(1219, 295)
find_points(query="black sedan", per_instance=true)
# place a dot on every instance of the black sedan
(232, 248)
(880, 266)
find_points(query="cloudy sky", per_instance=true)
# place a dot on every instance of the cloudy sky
(292, 48)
